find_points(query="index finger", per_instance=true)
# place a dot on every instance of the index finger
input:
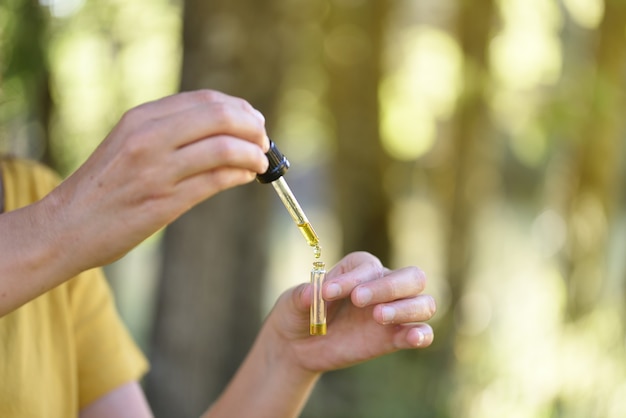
(398, 284)
(207, 120)
(354, 269)
(183, 101)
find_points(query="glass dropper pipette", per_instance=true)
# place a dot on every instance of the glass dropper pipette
(274, 175)
(277, 168)
(290, 202)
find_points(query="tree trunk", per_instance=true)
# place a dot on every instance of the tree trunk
(354, 54)
(209, 306)
(471, 160)
(596, 168)
(25, 70)
(472, 156)
(353, 57)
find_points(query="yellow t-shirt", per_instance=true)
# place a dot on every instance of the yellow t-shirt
(68, 347)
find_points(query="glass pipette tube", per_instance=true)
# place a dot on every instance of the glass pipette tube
(297, 214)
(318, 305)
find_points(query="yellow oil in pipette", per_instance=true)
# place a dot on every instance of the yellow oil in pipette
(311, 238)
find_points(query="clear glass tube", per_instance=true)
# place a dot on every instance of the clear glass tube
(318, 305)
(289, 200)
(297, 214)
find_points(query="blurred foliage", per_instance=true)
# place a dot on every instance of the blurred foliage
(24, 96)
(506, 140)
(99, 58)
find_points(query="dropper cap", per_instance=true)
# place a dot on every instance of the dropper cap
(278, 165)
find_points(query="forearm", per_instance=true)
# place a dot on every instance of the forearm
(266, 385)
(33, 255)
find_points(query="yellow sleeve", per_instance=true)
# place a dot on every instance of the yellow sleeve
(107, 356)
(25, 182)
(104, 353)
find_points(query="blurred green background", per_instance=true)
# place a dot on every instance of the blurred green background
(482, 141)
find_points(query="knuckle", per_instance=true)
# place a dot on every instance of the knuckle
(215, 96)
(364, 255)
(139, 142)
(394, 289)
(418, 276)
(133, 116)
(136, 144)
(224, 115)
(243, 103)
(374, 262)
(417, 272)
(430, 306)
(421, 309)
(208, 95)
(224, 150)
(218, 179)
(224, 179)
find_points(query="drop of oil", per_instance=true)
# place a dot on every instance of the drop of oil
(317, 251)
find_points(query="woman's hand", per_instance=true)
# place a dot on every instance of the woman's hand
(161, 159)
(372, 311)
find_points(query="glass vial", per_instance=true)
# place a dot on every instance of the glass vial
(318, 305)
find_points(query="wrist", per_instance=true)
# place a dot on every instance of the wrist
(32, 255)
(272, 383)
(59, 245)
(58, 248)
(281, 358)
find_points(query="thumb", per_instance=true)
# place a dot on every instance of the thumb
(301, 297)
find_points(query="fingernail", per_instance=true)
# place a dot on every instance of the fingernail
(420, 337)
(363, 296)
(266, 144)
(388, 314)
(333, 290)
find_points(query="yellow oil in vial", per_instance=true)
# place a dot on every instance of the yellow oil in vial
(318, 329)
